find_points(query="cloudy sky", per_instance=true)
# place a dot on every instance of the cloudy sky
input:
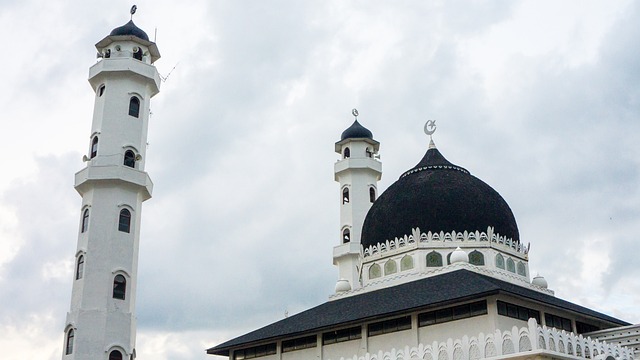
(540, 99)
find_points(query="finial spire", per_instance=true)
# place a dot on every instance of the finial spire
(354, 112)
(429, 129)
(133, 11)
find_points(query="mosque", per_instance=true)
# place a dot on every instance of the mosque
(431, 268)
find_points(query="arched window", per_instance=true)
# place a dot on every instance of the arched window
(137, 53)
(85, 220)
(119, 287)
(511, 266)
(406, 263)
(390, 267)
(522, 270)
(124, 223)
(134, 106)
(68, 349)
(80, 267)
(434, 259)
(346, 236)
(369, 153)
(115, 355)
(499, 261)
(375, 271)
(372, 194)
(476, 258)
(129, 159)
(94, 147)
(449, 258)
(101, 90)
(345, 195)
(347, 153)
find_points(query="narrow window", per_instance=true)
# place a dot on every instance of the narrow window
(134, 106)
(124, 224)
(107, 53)
(369, 153)
(511, 266)
(434, 259)
(119, 287)
(499, 261)
(345, 196)
(522, 270)
(101, 90)
(137, 53)
(69, 348)
(375, 271)
(406, 263)
(85, 220)
(346, 236)
(347, 153)
(115, 355)
(476, 258)
(372, 194)
(94, 147)
(390, 267)
(80, 267)
(129, 159)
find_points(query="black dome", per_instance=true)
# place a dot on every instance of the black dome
(356, 131)
(130, 29)
(437, 196)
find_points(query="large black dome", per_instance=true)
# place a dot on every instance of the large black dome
(130, 29)
(437, 196)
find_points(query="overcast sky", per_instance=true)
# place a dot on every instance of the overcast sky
(539, 99)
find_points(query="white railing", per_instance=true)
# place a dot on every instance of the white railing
(530, 339)
(453, 236)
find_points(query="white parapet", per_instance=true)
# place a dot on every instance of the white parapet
(526, 342)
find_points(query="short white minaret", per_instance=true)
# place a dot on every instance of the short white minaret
(101, 323)
(358, 172)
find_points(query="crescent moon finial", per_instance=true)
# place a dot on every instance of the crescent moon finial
(354, 112)
(133, 11)
(430, 127)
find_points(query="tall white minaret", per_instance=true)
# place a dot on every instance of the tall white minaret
(358, 172)
(101, 323)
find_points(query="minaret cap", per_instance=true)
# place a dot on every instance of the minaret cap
(356, 131)
(130, 32)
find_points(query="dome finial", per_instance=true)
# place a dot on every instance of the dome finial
(133, 11)
(354, 112)
(429, 129)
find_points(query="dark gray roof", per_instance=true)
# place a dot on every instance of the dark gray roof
(438, 290)
(436, 196)
(130, 29)
(356, 131)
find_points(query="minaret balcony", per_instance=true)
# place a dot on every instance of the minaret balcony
(357, 163)
(125, 65)
(346, 249)
(117, 174)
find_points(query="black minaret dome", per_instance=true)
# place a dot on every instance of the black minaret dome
(130, 29)
(356, 131)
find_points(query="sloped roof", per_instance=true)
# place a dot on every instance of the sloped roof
(459, 285)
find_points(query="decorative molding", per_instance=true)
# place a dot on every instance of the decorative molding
(526, 341)
(411, 275)
(442, 237)
(435, 167)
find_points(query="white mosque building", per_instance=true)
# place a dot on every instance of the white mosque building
(432, 268)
